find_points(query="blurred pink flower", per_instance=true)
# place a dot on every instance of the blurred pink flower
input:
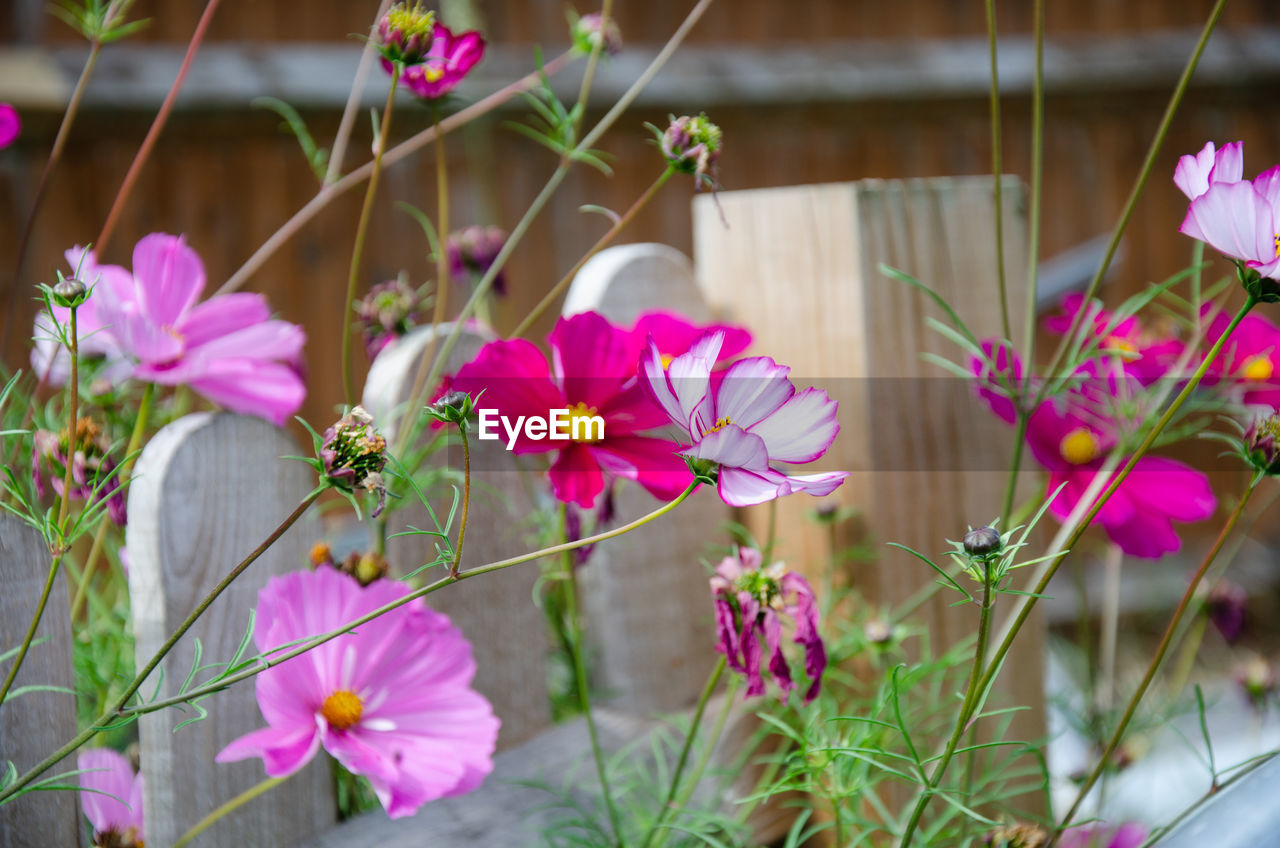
(593, 372)
(1195, 173)
(1143, 353)
(1241, 220)
(448, 61)
(750, 602)
(1250, 359)
(1129, 835)
(111, 797)
(997, 376)
(10, 125)
(674, 335)
(754, 417)
(392, 700)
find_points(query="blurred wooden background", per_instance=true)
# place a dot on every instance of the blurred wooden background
(808, 92)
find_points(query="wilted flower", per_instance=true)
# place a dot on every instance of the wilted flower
(1257, 677)
(390, 310)
(586, 32)
(91, 466)
(1017, 836)
(1129, 835)
(1260, 444)
(447, 62)
(745, 422)
(353, 455)
(405, 33)
(692, 146)
(1228, 605)
(472, 252)
(392, 700)
(10, 125)
(750, 602)
(111, 797)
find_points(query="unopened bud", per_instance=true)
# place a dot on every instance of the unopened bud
(982, 542)
(69, 292)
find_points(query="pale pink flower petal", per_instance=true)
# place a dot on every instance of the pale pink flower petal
(113, 801)
(170, 277)
(801, 429)
(1234, 219)
(223, 314)
(1194, 174)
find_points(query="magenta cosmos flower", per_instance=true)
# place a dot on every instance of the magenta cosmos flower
(1237, 217)
(10, 125)
(227, 348)
(447, 62)
(675, 335)
(1141, 352)
(111, 797)
(592, 373)
(392, 701)
(1129, 835)
(1250, 360)
(751, 419)
(750, 604)
(997, 376)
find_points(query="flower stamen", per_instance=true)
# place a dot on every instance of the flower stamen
(342, 709)
(1079, 446)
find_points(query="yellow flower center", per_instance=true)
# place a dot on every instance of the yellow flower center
(432, 73)
(1121, 345)
(666, 360)
(1257, 368)
(585, 432)
(342, 709)
(1079, 446)
(720, 424)
(1278, 245)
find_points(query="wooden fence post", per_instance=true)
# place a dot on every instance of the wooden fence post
(800, 267)
(645, 594)
(508, 633)
(33, 724)
(208, 488)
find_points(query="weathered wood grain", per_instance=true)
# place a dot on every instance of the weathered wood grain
(32, 724)
(645, 594)
(208, 488)
(497, 613)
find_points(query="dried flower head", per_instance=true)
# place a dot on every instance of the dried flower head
(353, 455)
(587, 32)
(472, 252)
(692, 146)
(92, 468)
(1262, 444)
(405, 33)
(1017, 836)
(390, 310)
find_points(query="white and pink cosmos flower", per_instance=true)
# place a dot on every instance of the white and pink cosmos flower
(745, 422)
(1237, 217)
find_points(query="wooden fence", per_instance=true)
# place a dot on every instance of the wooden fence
(209, 487)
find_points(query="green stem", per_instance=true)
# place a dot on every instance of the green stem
(31, 628)
(667, 806)
(229, 807)
(1148, 164)
(593, 59)
(1011, 485)
(466, 502)
(997, 165)
(99, 537)
(604, 241)
(1118, 735)
(362, 227)
(348, 121)
(704, 759)
(972, 697)
(1035, 211)
(73, 399)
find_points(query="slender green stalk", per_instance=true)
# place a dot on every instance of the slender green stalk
(1112, 564)
(1148, 164)
(997, 165)
(229, 807)
(603, 242)
(593, 59)
(1011, 485)
(972, 697)
(73, 400)
(1118, 735)
(357, 251)
(348, 121)
(31, 628)
(466, 503)
(99, 537)
(705, 698)
(704, 759)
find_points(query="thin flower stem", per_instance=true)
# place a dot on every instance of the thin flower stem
(1118, 735)
(603, 242)
(466, 502)
(100, 537)
(593, 59)
(157, 125)
(1024, 611)
(31, 628)
(577, 650)
(997, 166)
(348, 121)
(362, 228)
(1148, 164)
(55, 154)
(1011, 485)
(972, 697)
(707, 691)
(73, 399)
(229, 807)
(118, 708)
(1112, 564)
(704, 759)
(401, 151)
(1034, 213)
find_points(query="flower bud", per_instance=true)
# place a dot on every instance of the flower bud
(1257, 678)
(982, 542)
(405, 33)
(1227, 606)
(472, 252)
(692, 146)
(390, 310)
(321, 554)
(69, 292)
(586, 33)
(1261, 444)
(454, 408)
(878, 632)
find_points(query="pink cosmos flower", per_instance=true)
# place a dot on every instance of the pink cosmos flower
(111, 797)
(226, 348)
(1250, 359)
(995, 375)
(593, 373)
(750, 602)
(1129, 835)
(1195, 173)
(1240, 219)
(448, 61)
(1142, 353)
(1072, 442)
(754, 417)
(674, 335)
(10, 125)
(392, 701)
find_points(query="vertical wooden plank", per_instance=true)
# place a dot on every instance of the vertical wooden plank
(800, 267)
(496, 613)
(36, 723)
(208, 488)
(645, 594)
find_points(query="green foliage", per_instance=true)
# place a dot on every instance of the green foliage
(317, 157)
(556, 127)
(101, 21)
